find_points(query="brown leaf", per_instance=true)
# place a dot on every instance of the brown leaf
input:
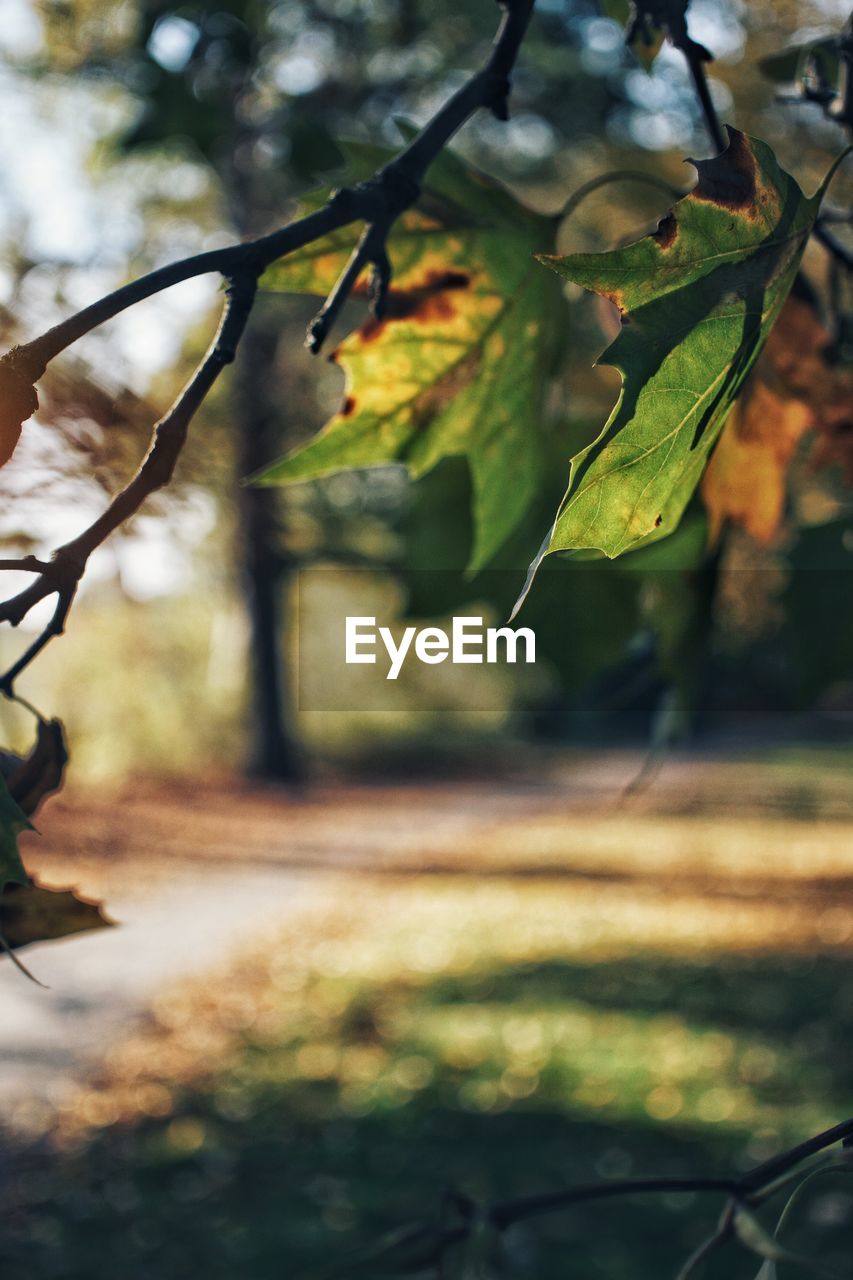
(746, 478)
(793, 390)
(32, 778)
(35, 913)
(18, 401)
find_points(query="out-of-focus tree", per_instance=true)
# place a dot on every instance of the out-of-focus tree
(253, 98)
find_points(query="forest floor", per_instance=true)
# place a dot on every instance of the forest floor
(323, 1007)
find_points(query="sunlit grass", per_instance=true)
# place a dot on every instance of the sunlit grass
(557, 994)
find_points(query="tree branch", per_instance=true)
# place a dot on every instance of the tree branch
(377, 203)
(504, 1214)
(670, 16)
(741, 1192)
(400, 181)
(61, 575)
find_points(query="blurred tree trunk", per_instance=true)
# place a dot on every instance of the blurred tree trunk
(272, 752)
(259, 437)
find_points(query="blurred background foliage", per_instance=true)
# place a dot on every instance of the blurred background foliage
(143, 131)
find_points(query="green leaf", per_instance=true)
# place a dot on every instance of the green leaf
(458, 366)
(12, 822)
(698, 299)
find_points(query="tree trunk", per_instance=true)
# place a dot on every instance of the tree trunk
(272, 752)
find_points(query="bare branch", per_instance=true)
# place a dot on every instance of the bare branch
(747, 1190)
(506, 1213)
(774, 1168)
(377, 203)
(62, 574)
(27, 564)
(400, 180)
(671, 16)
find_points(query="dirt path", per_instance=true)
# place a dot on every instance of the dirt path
(193, 873)
(190, 875)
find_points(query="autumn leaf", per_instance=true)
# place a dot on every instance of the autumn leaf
(745, 482)
(458, 364)
(32, 912)
(792, 391)
(12, 822)
(30, 778)
(18, 401)
(698, 298)
(29, 911)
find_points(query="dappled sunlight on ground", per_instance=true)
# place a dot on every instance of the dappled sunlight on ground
(504, 994)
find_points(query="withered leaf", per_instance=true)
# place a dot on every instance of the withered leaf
(31, 778)
(32, 912)
(12, 822)
(458, 363)
(793, 390)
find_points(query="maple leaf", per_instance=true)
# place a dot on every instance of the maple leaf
(29, 911)
(793, 390)
(698, 299)
(458, 364)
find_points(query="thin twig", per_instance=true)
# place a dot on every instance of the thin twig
(670, 16)
(62, 575)
(26, 564)
(400, 181)
(749, 1189)
(700, 83)
(505, 1213)
(361, 255)
(377, 203)
(764, 1174)
(617, 175)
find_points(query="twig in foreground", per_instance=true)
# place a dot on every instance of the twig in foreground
(377, 203)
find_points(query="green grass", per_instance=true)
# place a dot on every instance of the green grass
(412, 1039)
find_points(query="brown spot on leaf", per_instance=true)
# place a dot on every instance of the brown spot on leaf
(441, 393)
(658, 521)
(423, 303)
(667, 231)
(729, 179)
(348, 406)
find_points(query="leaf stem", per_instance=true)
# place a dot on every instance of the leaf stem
(618, 175)
(700, 83)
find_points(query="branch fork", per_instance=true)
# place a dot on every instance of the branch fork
(376, 203)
